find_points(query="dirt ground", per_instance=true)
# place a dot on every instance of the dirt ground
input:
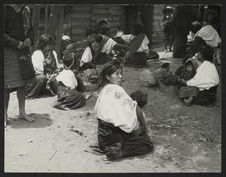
(186, 138)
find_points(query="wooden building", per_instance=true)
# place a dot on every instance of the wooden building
(86, 16)
(77, 18)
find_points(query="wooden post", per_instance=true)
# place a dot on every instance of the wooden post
(35, 22)
(46, 18)
(53, 21)
(59, 32)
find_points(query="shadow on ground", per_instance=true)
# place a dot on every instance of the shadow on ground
(41, 121)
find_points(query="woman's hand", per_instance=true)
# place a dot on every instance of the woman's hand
(182, 81)
(27, 42)
(21, 45)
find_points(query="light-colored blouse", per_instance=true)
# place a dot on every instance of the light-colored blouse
(115, 106)
(209, 35)
(38, 60)
(206, 76)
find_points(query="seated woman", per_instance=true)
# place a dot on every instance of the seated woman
(207, 35)
(68, 96)
(104, 47)
(138, 43)
(201, 89)
(81, 52)
(46, 66)
(121, 126)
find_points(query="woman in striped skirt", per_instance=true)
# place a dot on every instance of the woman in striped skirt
(17, 41)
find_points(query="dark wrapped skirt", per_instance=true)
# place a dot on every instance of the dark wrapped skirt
(116, 143)
(68, 98)
(12, 70)
(204, 97)
(101, 59)
(137, 60)
(41, 86)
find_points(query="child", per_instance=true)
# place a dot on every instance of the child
(168, 27)
(140, 97)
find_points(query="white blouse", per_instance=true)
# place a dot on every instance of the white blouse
(86, 56)
(115, 106)
(38, 60)
(209, 35)
(206, 76)
(68, 78)
(108, 46)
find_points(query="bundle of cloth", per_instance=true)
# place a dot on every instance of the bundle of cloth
(68, 95)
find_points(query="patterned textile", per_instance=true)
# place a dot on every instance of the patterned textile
(68, 98)
(78, 49)
(42, 85)
(12, 71)
(50, 67)
(16, 29)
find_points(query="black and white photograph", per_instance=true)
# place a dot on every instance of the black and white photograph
(112, 88)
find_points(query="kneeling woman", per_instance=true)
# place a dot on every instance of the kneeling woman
(46, 67)
(67, 84)
(121, 125)
(202, 88)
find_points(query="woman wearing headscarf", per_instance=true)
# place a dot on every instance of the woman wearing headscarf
(18, 69)
(68, 96)
(46, 66)
(121, 126)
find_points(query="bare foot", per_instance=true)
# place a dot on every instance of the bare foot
(26, 117)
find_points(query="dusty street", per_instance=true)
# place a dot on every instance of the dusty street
(186, 139)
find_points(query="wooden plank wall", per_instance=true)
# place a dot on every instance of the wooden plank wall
(157, 33)
(86, 16)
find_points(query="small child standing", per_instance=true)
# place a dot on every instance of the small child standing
(168, 27)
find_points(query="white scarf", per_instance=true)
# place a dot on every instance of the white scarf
(67, 77)
(115, 106)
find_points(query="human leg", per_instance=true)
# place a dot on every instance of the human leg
(21, 101)
(6, 104)
(137, 145)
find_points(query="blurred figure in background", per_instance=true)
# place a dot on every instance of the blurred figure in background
(168, 25)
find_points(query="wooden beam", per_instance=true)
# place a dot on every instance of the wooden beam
(35, 22)
(59, 32)
(46, 18)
